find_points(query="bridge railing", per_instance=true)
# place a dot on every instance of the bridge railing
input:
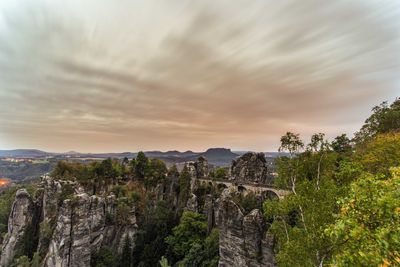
(241, 183)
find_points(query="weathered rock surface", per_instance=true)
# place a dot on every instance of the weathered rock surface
(80, 226)
(70, 245)
(81, 230)
(192, 204)
(251, 167)
(201, 165)
(20, 219)
(81, 223)
(208, 211)
(242, 240)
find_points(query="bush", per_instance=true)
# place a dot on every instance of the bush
(122, 214)
(103, 258)
(247, 202)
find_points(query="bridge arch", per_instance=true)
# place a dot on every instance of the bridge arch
(221, 186)
(241, 188)
(266, 191)
(269, 194)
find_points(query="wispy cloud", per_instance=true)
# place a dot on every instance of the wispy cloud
(128, 75)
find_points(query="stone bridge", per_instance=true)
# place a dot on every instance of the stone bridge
(268, 190)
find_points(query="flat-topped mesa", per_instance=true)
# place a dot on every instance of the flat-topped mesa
(250, 168)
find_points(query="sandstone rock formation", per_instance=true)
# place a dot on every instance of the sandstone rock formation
(81, 230)
(71, 242)
(20, 219)
(242, 240)
(80, 226)
(201, 165)
(197, 170)
(251, 167)
(192, 204)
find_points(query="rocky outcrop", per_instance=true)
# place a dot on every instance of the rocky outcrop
(201, 165)
(251, 167)
(197, 170)
(192, 204)
(242, 240)
(208, 211)
(81, 230)
(21, 218)
(76, 224)
(71, 242)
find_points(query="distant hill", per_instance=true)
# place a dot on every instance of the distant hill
(218, 152)
(24, 153)
(215, 156)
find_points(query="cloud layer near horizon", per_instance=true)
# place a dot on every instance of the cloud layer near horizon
(129, 75)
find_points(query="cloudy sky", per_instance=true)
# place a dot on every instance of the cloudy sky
(101, 75)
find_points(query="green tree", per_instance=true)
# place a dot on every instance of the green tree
(123, 213)
(298, 221)
(150, 242)
(173, 172)
(164, 262)
(384, 119)
(380, 153)
(107, 169)
(367, 231)
(204, 254)
(6, 199)
(141, 165)
(191, 229)
(291, 142)
(126, 255)
(22, 261)
(184, 187)
(103, 258)
(155, 172)
(220, 174)
(341, 144)
(35, 262)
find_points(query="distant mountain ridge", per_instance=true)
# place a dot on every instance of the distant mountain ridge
(215, 156)
(24, 153)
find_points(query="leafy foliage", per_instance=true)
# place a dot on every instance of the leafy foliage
(384, 119)
(344, 206)
(184, 187)
(126, 256)
(150, 243)
(103, 258)
(299, 220)
(141, 165)
(189, 243)
(367, 231)
(191, 229)
(380, 153)
(203, 254)
(247, 202)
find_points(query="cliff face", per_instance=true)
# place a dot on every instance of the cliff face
(251, 167)
(76, 227)
(243, 240)
(80, 225)
(20, 219)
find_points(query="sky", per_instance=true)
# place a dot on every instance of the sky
(113, 76)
